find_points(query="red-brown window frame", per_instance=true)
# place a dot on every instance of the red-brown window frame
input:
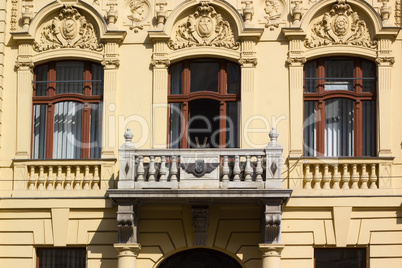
(186, 96)
(51, 99)
(357, 96)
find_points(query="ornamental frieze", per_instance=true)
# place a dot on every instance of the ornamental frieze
(204, 28)
(341, 25)
(68, 30)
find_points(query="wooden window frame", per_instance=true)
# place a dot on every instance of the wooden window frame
(186, 96)
(52, 98)
(357, 96)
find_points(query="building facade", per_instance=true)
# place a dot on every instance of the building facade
(140, 133)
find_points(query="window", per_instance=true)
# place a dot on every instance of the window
(67, 110)
(340, 258)
(61, 257)
(339, 107)
(204, 101)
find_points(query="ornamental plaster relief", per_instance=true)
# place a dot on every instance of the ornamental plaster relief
(136, 14)
(341, 25)
(205, 27)
(67, 30)
(274, 13)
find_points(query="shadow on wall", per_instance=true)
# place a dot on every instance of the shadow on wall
(399, 215)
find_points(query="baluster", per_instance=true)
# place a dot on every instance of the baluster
(326, 178)
(151, 169)
(31, 182)
(87, 178)
(355, 177)
(307, 177)
(96, 179)
(69, 180)
(140, 169)
(173, 169)
(248, 171)
(236, 169)
(41, 178)
(345, 177)
(317, 177)
(225, 168)
(50, 179)
(373, 177)
(77, 179)
(364, 177)
(59, 179)
(163, 170)
(258, 169)
(336, 177)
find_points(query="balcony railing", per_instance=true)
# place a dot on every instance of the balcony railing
(200, 168)
(61, 174)
(342, 173)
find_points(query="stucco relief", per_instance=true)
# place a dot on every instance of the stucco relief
(274, 10)
(68, 30)
(137, 14)
(204, 28)
(341, 25)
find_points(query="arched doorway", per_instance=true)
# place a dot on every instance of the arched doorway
(200, 258)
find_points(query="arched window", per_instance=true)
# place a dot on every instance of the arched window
(67, 110)
(204, 98)
(200, 257)
(339, 107)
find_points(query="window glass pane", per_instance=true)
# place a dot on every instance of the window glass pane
(174, 125)
(310, 82)
(368, 128)
(369, 75)
(175, 78)
(310, 131)
(69, 71)
(95, 131)
(232, 124)
(67, 130)
(39, 132)
(338, 127)
(233, 78)
(340, 258)
(338, 69)
(61, 257)
(97, 74)
(204, 76)
(41, 76)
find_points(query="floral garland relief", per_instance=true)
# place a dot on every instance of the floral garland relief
(341, 25)
(204, 28)
(68, 30)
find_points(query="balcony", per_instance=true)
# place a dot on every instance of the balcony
(200, 173)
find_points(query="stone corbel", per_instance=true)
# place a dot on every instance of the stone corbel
(200, 224)
(272, 220)
(127, 222)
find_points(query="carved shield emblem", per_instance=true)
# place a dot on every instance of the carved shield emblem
(205, 26)
(69, 29)
(199, 166)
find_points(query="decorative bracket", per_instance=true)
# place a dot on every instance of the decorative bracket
(272, 221)
(200, 224)
(127, 221)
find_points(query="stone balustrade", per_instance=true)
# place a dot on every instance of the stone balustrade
(200, 168)
(350, 173)
(49, 175)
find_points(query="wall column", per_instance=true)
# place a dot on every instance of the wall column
(24, 66)
(271, 256)
(127, 255)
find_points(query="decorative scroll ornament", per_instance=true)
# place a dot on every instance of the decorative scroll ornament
(341, 25)
(204, 28)
(68, 30)
(139, 10)
(274, 10)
